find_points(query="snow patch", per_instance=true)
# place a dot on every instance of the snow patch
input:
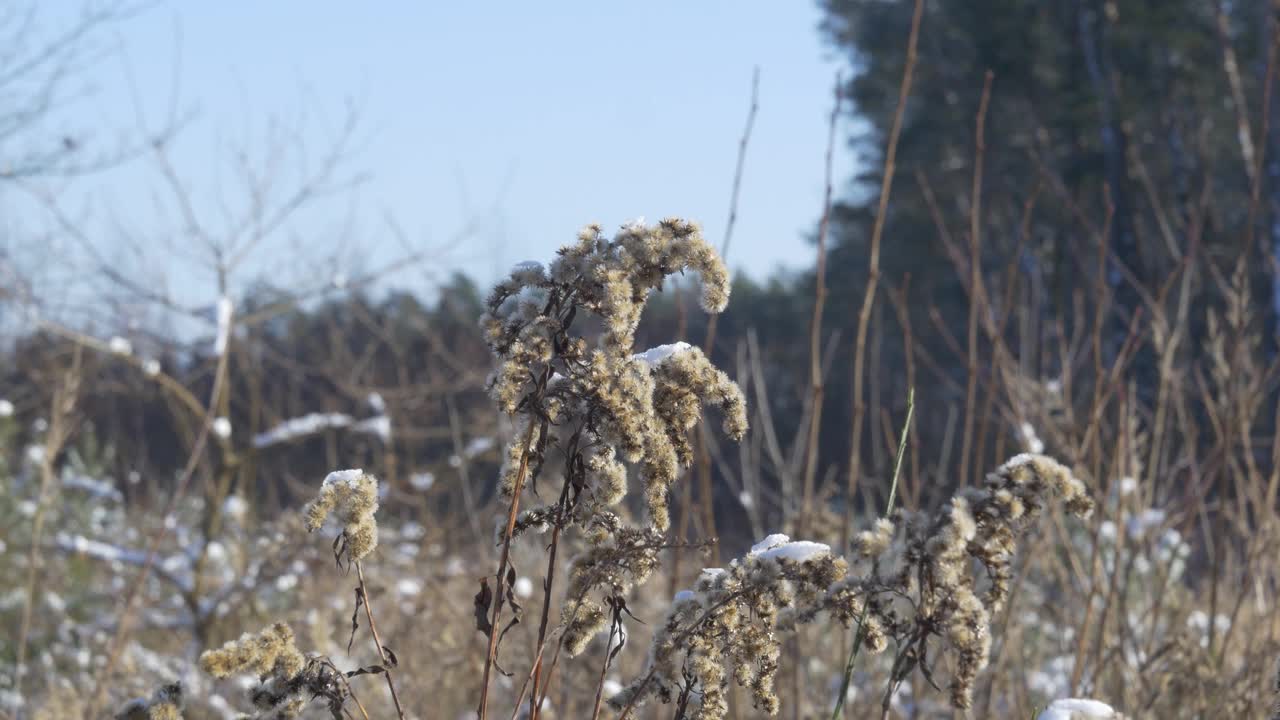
(379, 425)
(1140, 524)
(1030, 439)
(422, 481)
(770, 541)
(100, 489)
(523, 587)
(222, 428)
(225, 311)
(293, 428)
(343, 477)
(799, 551)
(1078, 709)
(657, 355)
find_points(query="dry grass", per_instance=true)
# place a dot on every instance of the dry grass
(542, 577)
(1161, 604)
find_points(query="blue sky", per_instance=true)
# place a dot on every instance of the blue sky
(488, 132)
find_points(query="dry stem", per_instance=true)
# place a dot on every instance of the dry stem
(491, 655)
(373, 630)
(873, 268)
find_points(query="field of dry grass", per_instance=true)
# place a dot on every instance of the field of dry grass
(1140, 571)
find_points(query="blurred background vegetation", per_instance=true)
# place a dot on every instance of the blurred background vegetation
(1125, 142)
(1080, 253)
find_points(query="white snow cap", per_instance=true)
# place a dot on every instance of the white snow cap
(235, 506)
(657, 355)
(225, 309)
(301, 426)
(1030, 439)
(120, 346)
(1138, 525)
(770, 541)
(523, 587)
(422, 480)
(222, 427)
(1079, 709)
(347, 477)
(798, 551)
(379, 425)
(781, 547)
(710, 573)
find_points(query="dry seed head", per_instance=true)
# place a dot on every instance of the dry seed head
(165, 704)
(287, 680)
(270, 652)
(874, 542)
(582, 624)
(921, 585)
(625, 407)
(351, 496)
(593, 404)
(729, 622)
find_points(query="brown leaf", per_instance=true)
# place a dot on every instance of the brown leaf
(355, 618)
(483, 601)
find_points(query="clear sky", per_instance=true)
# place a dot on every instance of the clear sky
(495, 130)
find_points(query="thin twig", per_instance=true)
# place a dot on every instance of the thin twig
(604, 669)
(351, 692)
(709, 343)
(547, 583)
(815, 322)
(483, 710)
(975, 277)
(373, 630)
(873, 268)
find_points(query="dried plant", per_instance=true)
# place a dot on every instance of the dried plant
(288, 679)
(589, 406)
(275, 659)
(351, 497)
(917, 587)
(165, 704)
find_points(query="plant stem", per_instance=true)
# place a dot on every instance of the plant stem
(873, 268)
(838, 711)
(483, 711)
(373, 630)
(547, 584)
(604, 669)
